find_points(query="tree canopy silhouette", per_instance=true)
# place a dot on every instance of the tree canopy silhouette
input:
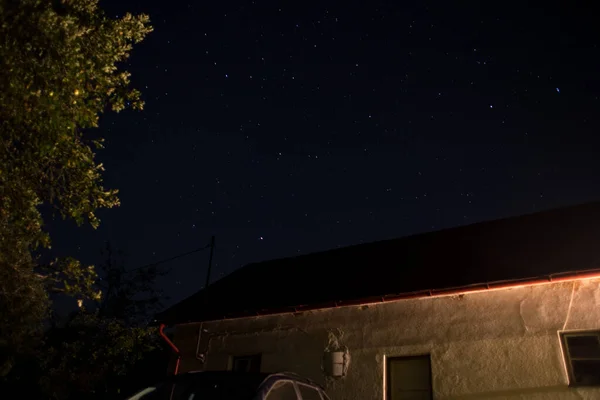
(60, 68)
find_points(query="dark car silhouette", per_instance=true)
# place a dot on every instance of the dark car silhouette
(227, 385)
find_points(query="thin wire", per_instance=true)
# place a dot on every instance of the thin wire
(168, 259)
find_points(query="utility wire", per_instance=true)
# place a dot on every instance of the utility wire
(168, 259)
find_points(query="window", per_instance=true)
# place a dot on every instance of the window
(409, 378)
(308, 392)
(582, 356)
(246, 363)
(282, 390)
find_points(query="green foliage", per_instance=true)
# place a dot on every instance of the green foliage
(59, 71)
(91, 356)
(129, 295)
(69, 277)
(94, 352)
(60, 68)
(23, 308)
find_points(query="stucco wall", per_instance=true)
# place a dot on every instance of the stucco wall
(501, 344)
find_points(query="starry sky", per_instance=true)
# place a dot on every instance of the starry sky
(285, 128)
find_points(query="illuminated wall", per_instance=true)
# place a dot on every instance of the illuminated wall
(501, 344)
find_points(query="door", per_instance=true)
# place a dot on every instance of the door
(409, 378)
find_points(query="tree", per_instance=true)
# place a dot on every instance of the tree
(92, 357)
(59, 70)
(114, 336)
(129, 295)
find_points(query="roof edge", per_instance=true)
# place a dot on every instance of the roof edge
(428, 293)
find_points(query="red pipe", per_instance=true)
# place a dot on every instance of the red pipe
(161, 332)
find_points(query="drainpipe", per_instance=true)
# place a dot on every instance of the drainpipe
(161, 332)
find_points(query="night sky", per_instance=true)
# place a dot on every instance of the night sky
(285, 128)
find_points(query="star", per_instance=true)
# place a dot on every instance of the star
(396, 106)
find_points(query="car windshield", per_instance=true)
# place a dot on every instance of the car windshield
(204, 386)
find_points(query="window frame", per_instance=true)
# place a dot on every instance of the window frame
(388, 372)
(250, 357)
(567, 354)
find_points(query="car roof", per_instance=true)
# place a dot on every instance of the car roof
(295, 377)
(249, 377)
(258, 382)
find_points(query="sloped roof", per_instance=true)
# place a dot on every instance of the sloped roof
(543, 243)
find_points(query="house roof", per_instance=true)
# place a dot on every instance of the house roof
(512, 249)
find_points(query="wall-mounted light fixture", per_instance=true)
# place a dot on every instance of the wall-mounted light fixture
(335, 363)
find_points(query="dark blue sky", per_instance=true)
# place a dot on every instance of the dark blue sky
(292, 127)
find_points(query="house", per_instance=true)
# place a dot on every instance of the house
(505, 309)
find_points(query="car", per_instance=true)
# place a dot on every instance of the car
(229, 385)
